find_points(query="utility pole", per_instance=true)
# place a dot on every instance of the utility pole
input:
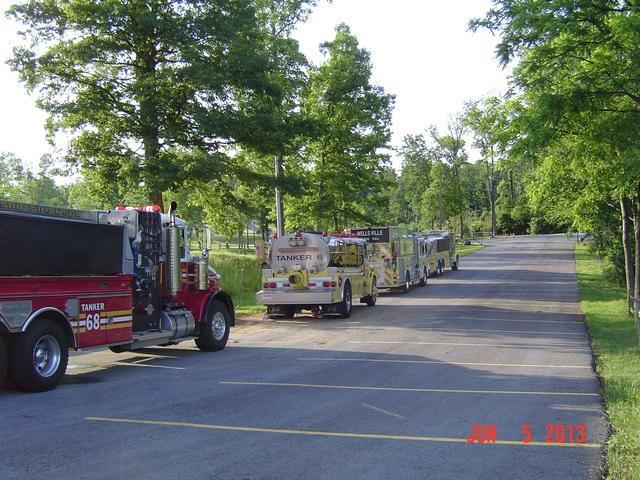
(279, 206)
(440, 203)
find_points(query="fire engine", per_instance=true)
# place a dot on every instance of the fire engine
(395, 259)
(443, 250)
(123, 279)
(317, 272)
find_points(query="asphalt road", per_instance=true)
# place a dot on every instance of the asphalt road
(390, 393)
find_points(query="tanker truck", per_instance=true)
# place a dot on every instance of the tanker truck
(122, 279)
(317, 272)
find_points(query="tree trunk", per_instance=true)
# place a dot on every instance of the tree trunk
(149, 122)
(626, 244)
(492, 196)
(320, 197)
(461, 225)
(264, 225)
(279, 204)
(636, 235)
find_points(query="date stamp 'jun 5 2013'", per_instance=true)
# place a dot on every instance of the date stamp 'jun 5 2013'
(554, 433)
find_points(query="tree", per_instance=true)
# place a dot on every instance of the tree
(442, 200)
(353, 118)
(487, 121)
(417, 160)
(450, 148)
(132, 82)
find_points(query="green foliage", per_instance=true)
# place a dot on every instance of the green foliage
(145, 88)
(441, 200)
(18, 183)
(579, 111)
(345, 167)
(240, 276)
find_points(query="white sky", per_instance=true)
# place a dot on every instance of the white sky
(420, 50)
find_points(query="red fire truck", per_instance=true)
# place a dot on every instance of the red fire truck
(123, 279)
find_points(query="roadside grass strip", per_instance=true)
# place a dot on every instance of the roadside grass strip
(464, 250)
(410, 390)
(615, 345)
(313, 433)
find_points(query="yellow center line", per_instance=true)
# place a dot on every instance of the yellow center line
(379, 360)
(405, 389)
(506, 345)
(332, 434)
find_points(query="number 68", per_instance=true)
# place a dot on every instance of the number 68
(93, 321)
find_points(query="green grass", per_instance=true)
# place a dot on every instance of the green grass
(240, 276)
(615, 343)
(463, 250)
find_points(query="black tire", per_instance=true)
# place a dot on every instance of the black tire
(423, 280)
(212, 337)
(4, 359)
(454, 265)
(347, 301)
(39, 357)
(407, 282)
(371, 299)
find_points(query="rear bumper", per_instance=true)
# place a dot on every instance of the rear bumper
(296, 298)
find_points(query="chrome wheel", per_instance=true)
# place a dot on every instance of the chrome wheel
(46, 356)
(218, 326)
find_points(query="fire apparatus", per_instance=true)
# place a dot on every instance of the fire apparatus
(123, 279)
(395, 257)
(443, 251)
(317, 272)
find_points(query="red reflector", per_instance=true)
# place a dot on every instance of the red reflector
(286, 285)
(334, 284)
(273, 285)
(326, 284)
(265, 285)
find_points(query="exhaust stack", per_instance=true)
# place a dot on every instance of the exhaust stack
(173, 252)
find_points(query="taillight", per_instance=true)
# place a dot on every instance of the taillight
(265, 285)
(269, 285)
(286, 285)
(327, 284)
(312, 284)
